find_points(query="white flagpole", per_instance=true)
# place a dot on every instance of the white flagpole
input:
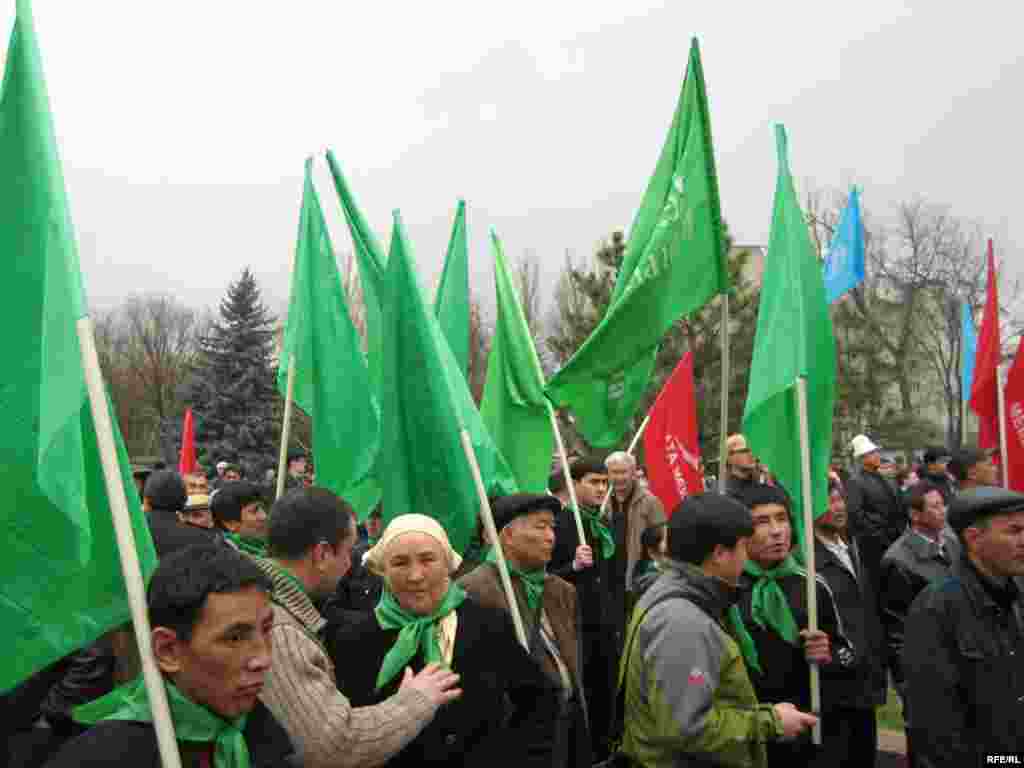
(632, 447)
(1001, 397)
(492, 534)
(808, 504)
(724, 423)
(567, 474)
(286, 427)
(167, 743)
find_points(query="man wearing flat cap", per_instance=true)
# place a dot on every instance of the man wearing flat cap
(526, 528)
(963, 653)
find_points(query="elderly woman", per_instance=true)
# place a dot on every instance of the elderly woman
(507, 709)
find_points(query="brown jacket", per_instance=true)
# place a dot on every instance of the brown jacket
(643, 509)
(301, 693)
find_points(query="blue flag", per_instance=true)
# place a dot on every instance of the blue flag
(968, 351)
(844, 264)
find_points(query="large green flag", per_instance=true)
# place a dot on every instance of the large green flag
(60, 577)
(425, 404)
(674, 264)
(370, 259)
(794, 339)
(332, 384)
(451, 305)
(514, 408)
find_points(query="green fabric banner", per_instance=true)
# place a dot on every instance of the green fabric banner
(794, 338)
(425, 403)
(514, 408)
(60, 578)
(332, 384)
(451, 305)
(674, 264)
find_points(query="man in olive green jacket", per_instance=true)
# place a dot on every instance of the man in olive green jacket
(688, 698)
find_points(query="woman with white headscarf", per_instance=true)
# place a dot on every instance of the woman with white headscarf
(507, 709)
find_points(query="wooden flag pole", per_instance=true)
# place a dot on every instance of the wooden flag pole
(492, 535)
(632, 447)
(808, 504)
(1001, 401)
(131, 569)
(567, 473)
(723, 431)
(286, 427)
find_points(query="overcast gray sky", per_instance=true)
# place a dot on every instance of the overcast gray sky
(184, 125)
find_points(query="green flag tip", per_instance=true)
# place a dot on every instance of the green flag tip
(781, 145)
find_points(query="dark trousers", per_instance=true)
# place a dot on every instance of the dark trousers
(600, 678)
(849, 739)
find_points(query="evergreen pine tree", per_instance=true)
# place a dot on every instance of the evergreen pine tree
(233, 396)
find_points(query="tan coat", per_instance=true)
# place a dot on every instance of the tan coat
(643, 509)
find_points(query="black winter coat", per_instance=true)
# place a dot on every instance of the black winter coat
(128, 744)
(964, 664)
(360, 590)
(877, 518)
(169, 535)
(507, 710)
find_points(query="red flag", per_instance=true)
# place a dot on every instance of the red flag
(1014, 394)
(670, 440)
(187, 463)
(983, 390)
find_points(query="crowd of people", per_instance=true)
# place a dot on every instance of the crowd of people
(288, 634)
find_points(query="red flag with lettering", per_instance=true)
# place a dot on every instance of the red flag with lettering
(983, 391)
(1014, 394)
(670, 440)
(187, 463)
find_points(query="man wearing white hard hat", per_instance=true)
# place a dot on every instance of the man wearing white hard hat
(877, 516)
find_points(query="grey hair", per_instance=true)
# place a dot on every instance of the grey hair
(621, 457)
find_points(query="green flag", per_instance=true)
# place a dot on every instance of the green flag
(514, 408)
(371, 260)
(60, 577)
(451, 305)
(332, 384)
(425, 404)
(794, 338)
(673, 265)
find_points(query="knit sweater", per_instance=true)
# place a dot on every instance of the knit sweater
(301, 693)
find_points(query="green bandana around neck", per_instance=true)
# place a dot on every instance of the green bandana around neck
(744, 640)
(533, 581)
(192, 722)
(768, 604)
(416, 633)
(254, 547)
(599, 532)
(372, 540)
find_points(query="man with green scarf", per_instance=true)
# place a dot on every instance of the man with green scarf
(547, 603)
(210, 612)
(773, 607)
(309, 547)
(241, 517)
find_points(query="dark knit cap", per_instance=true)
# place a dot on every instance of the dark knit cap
(166, 491)
(508, 508)
(974, 504)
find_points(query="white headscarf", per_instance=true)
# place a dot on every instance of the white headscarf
(410, 523)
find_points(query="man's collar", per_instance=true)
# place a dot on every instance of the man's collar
(287, 594)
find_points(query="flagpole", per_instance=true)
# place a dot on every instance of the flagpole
(808, 511)
(723, 431)
(167, 742)
(492, 535)
(286, 427)
(1001, 399)
(632, 447)
(564, 458)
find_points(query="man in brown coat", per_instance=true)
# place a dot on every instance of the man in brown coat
(547, 604)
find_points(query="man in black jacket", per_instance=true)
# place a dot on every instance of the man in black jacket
(876, 513)
(164, 498)
(964, 645)
(211, 615)
(936, 458)
(848, 701)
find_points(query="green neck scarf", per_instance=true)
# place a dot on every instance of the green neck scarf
(416, 633)
(292, 579)
(254, 547)
(192, 722)
(372, 540)
(768, 605)
(599, 532)
(744, 640)
(533, 581)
